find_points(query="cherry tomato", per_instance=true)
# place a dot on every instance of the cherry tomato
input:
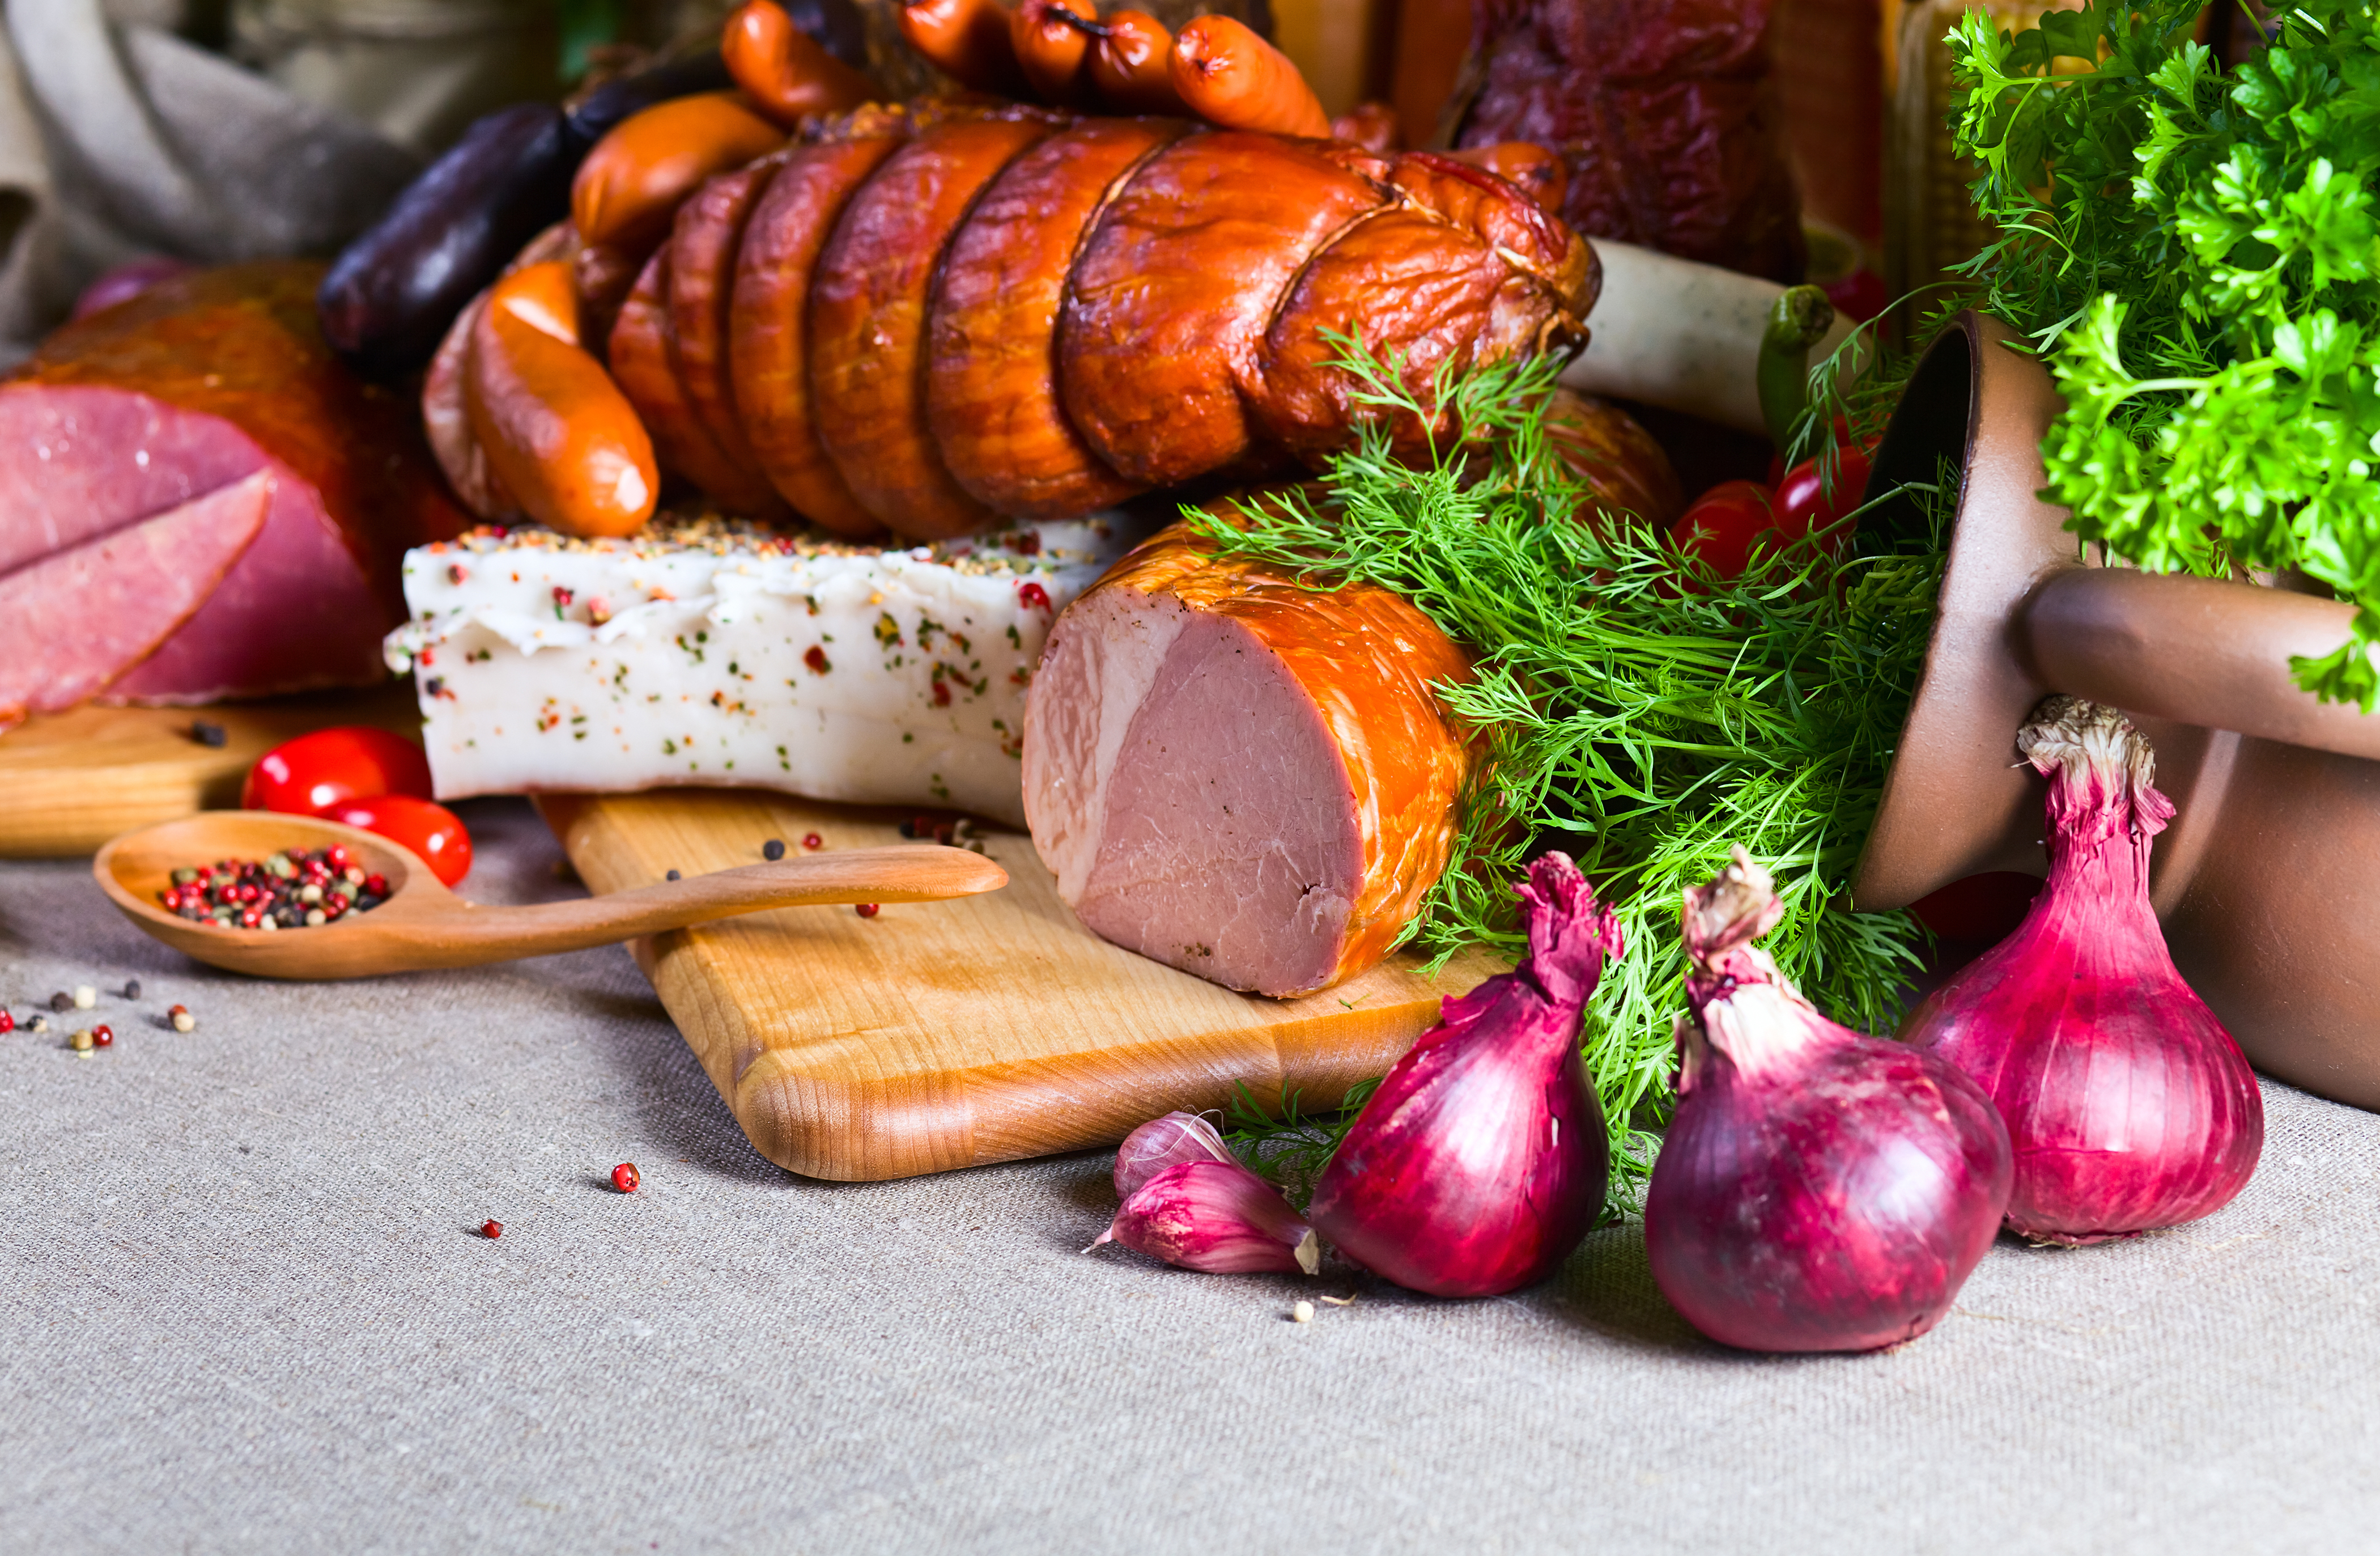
(432, 831)
(1802, 505)
(329, 765)
(1842, 440)
(1722, 527)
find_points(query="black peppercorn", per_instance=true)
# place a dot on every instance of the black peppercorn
(209, 733)
(773, 849)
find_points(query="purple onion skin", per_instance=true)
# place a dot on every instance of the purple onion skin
(1817, 1190)
(1165, 1142)
(2130, 1105)
(1481, 1162)
(1215, 1216)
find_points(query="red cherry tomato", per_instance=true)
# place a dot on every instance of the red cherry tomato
(329, 765)
(432, 831)
(1722, 527)
(1802, 505)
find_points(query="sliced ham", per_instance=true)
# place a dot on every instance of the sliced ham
(74, 620)
(196, 384)
(1239, 776)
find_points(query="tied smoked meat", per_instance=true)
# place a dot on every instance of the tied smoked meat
(941, 318)
(1663, 112)
(142, 413)
(1238, 776)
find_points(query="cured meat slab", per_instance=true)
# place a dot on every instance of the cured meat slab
(945, 1035)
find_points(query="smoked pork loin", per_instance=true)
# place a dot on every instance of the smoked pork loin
(1241, 776)
(198, 501)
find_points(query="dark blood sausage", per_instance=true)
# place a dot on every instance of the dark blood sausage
(388, 299)
(1165, 318)
(992, 373)
(769, 350)
(867, 319)
(196, 385)
(76, 619)
(1240, 776)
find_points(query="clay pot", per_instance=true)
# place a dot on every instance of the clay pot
(2268, 880)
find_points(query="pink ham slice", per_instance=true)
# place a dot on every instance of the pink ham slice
(73, 621)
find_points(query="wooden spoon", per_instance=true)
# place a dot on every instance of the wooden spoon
(424, 925)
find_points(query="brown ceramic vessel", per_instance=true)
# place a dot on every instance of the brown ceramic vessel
(2268, 881)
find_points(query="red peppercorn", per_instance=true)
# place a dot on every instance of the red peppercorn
(491, 1229)
(101, 1036)
(623, 1177)
(335, 856)
(7, 1021)
(867, 910)
(376, 884)
(812, 839)
(1033, 596)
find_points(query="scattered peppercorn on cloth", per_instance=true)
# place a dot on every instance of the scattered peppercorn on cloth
(245, 1305)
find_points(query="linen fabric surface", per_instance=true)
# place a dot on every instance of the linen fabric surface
(244, 1306)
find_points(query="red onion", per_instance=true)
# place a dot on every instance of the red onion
(1817, 1190)
(1481, 1160)
(125, 282)
(1215, 1216)
(2131, 1106)
(1165, 1142)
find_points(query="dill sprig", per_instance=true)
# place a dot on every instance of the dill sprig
(1643, 727)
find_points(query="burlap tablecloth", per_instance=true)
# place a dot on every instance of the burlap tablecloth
(243, 1307)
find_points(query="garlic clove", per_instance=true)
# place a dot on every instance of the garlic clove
(1218, 1217)
(1165, 1142)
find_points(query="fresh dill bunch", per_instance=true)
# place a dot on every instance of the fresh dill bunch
(2196, 254)
(1644, 727)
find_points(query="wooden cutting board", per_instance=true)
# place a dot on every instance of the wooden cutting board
(70, 781)
(943, 1035)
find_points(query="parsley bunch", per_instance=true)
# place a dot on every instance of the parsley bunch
(2197, 255)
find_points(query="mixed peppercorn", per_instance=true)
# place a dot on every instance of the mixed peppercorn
(298, 887)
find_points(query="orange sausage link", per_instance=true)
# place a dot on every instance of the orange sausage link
(967, 40)
(787, 73)
(629, 188)
(1132, 66)
(1053, 53)
(1233, 78)
(1536, 172)
(555, 429)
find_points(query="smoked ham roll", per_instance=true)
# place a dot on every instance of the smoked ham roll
(1240, 776)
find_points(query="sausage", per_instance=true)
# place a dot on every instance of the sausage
(554, 429)
(1231, 77)
(447, 421)
(79, 617)
(1132, 66)
(992, 373)
(1241, 776)
(1536, 172)
(867, 319)
(642, 366)
(1463, 268)
(1609, 450)
(393, 292)
(1165, 315)
(787, 74)
(968, 40)
(768, 354)
(701, 278)
(628, 189)
(1054, 52)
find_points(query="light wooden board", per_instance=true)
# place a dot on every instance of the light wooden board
(953, 1034)
(70, 781)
